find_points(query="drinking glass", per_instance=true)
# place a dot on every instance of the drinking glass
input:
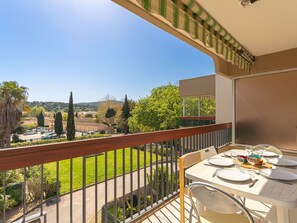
(259, 150)
(249, 149)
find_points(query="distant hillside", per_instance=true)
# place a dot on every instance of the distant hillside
(61, 106)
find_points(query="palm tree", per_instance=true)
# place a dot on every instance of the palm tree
(12, 100)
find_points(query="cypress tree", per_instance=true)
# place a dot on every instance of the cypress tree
(125, 115)
(70, 120)
(59, 124)
(40, 119)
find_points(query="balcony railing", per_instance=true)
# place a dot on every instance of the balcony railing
(97, 179)
(191, 121)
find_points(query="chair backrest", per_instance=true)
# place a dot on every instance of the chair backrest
(215, 200)
(208, 152)
(185, 162)
(190, 159)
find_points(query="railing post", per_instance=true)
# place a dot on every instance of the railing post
(182, 190)
(184, 107)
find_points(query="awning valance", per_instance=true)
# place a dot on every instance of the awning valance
(190, 17)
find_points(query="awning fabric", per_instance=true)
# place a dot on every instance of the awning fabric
(198, 87)
(190, 17)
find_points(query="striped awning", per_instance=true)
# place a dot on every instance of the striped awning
(190, 17)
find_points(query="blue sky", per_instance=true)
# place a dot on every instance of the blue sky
(90, 47)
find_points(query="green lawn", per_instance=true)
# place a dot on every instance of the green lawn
(64, 169)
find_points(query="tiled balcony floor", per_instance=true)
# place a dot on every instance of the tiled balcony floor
(170, 212)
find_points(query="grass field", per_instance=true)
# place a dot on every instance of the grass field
(64, 168)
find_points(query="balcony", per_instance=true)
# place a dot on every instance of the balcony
(130, 175)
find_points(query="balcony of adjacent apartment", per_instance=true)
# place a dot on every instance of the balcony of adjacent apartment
(199, 104)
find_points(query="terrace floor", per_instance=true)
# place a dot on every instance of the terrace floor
(169, 212)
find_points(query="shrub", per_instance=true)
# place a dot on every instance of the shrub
(33, 188)
(48, 141)
(15, 191)
(92, 136)
(9, 202)
(34, 183)
(64, 117)
(163, 152)
(89, 115)
(19, 130)
(29, 126)
(16, 138)
(11, 176)
(155, 185)
(40, 142)
(50, 187)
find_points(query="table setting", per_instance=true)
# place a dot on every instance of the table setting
(249, 163)
(257, 174)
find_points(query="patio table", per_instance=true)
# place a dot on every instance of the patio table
(280, 195)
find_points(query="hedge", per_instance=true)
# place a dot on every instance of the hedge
(48, 141)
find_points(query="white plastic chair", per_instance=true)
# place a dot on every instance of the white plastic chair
(218, 202)
(208, 152)
(185, 162)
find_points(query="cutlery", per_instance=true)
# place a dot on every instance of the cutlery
(253, 183)
(215, 173)
(223, 155)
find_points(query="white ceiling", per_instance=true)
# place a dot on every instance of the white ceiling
(267, 26)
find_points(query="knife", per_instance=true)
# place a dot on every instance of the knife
(253, 183)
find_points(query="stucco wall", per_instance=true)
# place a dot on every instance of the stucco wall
(224, 112)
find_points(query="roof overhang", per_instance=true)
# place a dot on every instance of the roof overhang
(223, 12)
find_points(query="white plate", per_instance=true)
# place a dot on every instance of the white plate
(269, 154)
(233, 175)
(282, 162)
(220, 162)
(278, 174)
(235, 152)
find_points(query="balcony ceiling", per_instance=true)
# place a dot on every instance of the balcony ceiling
(266, 27)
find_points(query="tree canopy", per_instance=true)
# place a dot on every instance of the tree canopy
(207, 106)
(159, 111)
(110, 112)
(36, 110)
(12, 100)
(107, 108)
